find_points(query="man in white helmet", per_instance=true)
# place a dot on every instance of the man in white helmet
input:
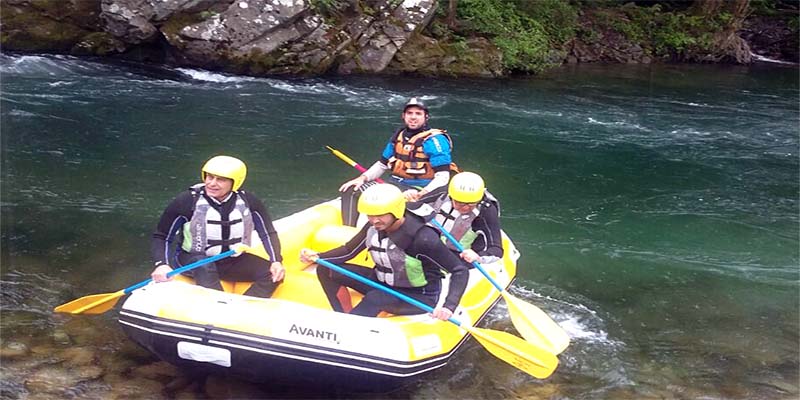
(207, 220)
(418, 157)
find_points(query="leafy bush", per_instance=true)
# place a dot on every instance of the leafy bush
(670, 33)
(558, 18)
(521, 39)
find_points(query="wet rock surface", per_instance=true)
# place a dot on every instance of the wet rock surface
(289, 37)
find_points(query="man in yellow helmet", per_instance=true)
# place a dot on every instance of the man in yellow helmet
(471, 215)
(418, 157)
(207, 220)
(409, 257)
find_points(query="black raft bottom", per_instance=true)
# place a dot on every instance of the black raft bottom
(280, 376)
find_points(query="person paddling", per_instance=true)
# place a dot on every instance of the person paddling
(470, 214)
(417, 156)
(207, 220)
(408, 254)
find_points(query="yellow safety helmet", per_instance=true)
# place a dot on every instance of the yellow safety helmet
(226, 167)
(382, 198)
(466, 187)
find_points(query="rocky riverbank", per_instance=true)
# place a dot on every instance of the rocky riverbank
(300, 37)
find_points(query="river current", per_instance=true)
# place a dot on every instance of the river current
(655, 207)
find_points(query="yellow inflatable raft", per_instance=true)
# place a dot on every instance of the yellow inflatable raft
(295, 336)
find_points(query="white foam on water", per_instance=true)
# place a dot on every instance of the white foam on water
(61, 83)
(207, 76)
(579, 330)
(761, 58)
(582, 323)
(21, 113)
(622, 124)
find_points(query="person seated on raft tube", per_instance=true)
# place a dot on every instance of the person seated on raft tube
(409, 257)
(470, 214)
(417, 155)
(211, 217)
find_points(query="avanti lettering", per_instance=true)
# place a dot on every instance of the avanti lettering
(315, 333)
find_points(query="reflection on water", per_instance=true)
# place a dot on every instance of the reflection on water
(656, 210)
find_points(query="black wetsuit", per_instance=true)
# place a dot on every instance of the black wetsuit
(417, 240)
(246, 267)
(489, 241)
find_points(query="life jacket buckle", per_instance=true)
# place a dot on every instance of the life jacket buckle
(415, 171)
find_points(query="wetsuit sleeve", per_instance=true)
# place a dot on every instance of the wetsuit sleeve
(350, 249)
(263, 225)
(177, 213)
(438, 150)
(488, 222)
(428, 248)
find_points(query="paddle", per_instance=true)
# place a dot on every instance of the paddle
(529, 358)
(350, 161)
(100, 303)
(531, 322)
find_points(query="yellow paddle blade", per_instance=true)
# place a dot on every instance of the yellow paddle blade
(535, 325)
(92, 304)
(535, 361)
(342, 156)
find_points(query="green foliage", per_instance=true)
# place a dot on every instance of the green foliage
(587, 35)
(678, 33)
(328, 7)
(666, 33)
(460, 47)
(522, 40)
(558, 18)
(763, 7)
(439, 30)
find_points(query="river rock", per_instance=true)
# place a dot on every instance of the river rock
(156, 370)
(129, 20)
(270, 37)
(181, 384)
(424, 55)
(221, 387)
(772, 37)
(380, 41)
(54, 379)
(245, 27)
(12, 350)
(61, 338)
(79, 356)
(125, 387)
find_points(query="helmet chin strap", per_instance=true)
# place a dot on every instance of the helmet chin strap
(396, 224)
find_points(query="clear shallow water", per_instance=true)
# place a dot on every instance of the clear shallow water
(656, 209)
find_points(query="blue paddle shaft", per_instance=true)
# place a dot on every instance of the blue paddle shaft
(461, 250)
(183, 269)
(378, 286)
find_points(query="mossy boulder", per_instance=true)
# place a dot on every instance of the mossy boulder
(475, 57)
(98, 44)
(28, 29)
(72, 27)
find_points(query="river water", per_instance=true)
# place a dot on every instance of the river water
(655, 207)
